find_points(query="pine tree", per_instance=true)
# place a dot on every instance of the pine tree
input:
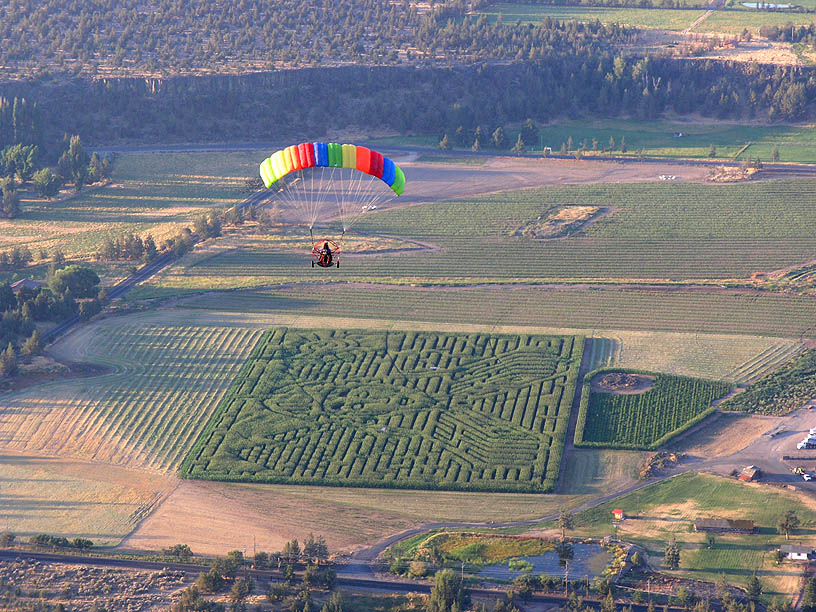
(518, 148)
(672, 556)
(8, 362)
(754, 588)
(32, 345)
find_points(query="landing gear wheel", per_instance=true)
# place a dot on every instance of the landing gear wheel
(313, 264)
(338, 264)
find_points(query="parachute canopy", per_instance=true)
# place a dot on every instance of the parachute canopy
(323, 182)
(332, 155)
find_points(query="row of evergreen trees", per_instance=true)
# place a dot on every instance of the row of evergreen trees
(568, 81)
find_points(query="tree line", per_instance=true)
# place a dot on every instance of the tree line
(567, 83)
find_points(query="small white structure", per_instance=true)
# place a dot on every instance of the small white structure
(798, 553)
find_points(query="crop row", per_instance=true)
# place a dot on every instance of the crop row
(643, 420)
(652, 231)
(788, 388)
(166, 381)
(395, 409)
(608, 308)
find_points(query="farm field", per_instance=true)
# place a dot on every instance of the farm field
(781, 391)
(599, 471)
(155, 193)
(692, 312)
(646, 419)
(216, 517)
(653, 232)
(664, 19)
(654, 515)
(656, 138)
(75, 498)
(391, 409)
(589, 471)
(730, 357)
(162, 384)
(727, 21)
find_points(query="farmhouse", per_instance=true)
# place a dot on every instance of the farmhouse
(26, 283)
(724, 525)
(798, 553)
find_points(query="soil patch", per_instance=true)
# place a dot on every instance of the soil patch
(561, 222)
(621, 383)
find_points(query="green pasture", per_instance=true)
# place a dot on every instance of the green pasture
(395, 410)
(735, 21)
(668, 509)
(730, 21)
(797, 143)
(662, 19)
(469, 547)
(643, 420)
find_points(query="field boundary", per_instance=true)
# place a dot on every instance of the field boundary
(198, 445)
(583, 411)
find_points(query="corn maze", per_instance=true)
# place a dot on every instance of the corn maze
(475, 412)
(644, 420)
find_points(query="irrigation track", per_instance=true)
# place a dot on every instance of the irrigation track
(368, 584)
(141, 275)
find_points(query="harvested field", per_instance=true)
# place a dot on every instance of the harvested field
(164, 383)
(412, 410)
(74, 498)
(155, 194)
(215, 517)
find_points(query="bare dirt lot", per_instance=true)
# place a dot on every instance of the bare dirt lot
(434, 182)
(757, 50)
(724, 435)
(621, 383)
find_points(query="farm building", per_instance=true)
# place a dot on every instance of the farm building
(617, 514)
(798, 553)
(724, 525)
(26, 283)
(750, 473)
